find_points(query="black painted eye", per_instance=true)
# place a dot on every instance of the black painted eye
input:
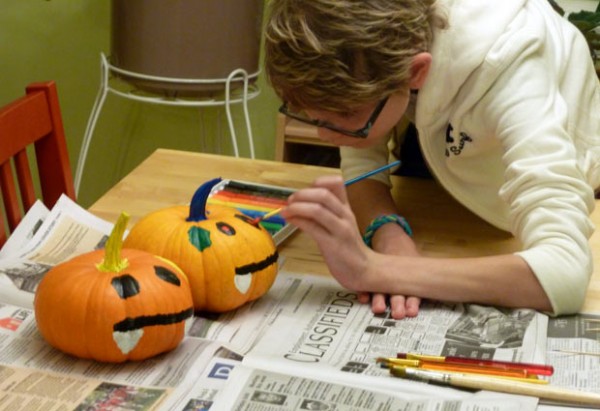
(167, 275)
(248, 220)
(225, 228)
(126, 286)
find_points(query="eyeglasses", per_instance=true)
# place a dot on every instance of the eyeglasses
(362, 132)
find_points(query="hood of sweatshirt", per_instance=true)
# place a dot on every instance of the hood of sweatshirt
(460, 49)
(471, 55)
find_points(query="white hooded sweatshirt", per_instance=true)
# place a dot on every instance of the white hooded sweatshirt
(509, 124)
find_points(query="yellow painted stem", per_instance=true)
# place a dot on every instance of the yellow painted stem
(112, 261)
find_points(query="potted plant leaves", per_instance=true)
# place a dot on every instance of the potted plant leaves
(588, 22)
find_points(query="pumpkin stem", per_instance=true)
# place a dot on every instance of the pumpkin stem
(112, 261)
(199, 199)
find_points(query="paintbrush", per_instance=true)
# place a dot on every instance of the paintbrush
(346, 183)
(543, 392)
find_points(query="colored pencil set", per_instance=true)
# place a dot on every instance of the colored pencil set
(255, 200)
(263, 202)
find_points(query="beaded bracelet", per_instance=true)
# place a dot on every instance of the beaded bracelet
(381, 220)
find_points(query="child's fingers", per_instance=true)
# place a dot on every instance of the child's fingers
(329, 195)
(335, 184)
(332, 217)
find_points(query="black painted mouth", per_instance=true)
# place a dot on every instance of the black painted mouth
(130, 324)
(261, 265)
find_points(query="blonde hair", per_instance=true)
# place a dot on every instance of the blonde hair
(340, 54)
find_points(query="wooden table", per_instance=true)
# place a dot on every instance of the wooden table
(442, 226)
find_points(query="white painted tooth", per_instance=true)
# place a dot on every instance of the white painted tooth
(127, 340)
(188, 324)
(242, 282)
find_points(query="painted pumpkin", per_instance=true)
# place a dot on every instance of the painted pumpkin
(228, 257)
(115, 304)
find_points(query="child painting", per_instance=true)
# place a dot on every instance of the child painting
(506, 105)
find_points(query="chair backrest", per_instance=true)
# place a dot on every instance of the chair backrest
(34, 119)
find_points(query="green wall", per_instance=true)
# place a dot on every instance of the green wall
(62, 40)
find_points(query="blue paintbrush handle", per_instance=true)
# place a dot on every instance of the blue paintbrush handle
(372, 172)
(346, 183)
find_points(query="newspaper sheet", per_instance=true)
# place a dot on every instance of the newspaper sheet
(207, 387)
(240, 329)
(306, 326)
(21, 346)
(259, 390)
(574, 351)
(573, 348)
(34, 390)
(321, 329)
(26, 229)
(68, 230)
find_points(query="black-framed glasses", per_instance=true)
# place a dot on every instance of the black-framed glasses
(362, 132)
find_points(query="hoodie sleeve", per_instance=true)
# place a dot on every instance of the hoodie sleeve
(357, 161)
(532, 109)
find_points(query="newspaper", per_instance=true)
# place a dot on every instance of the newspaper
(29, 225)
(574, 350)
(207, 386)
(251, 389)
(33, 390)
(43, 241)
(241, 329)
(307, 331)
(250, 330)
(320, 329)
(320, 325)
(30, 361)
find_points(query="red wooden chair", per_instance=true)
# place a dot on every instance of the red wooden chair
(33, 120)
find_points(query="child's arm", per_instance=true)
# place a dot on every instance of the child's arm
(388, 239)
(324, 213)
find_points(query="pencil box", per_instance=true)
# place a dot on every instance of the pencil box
(255, 200)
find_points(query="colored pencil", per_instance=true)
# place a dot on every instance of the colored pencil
(264, 208)
(254, 214)
(240, 187)
(539, 369)
(254, 201)
(465, 368)
(272, 228)
(249, 198)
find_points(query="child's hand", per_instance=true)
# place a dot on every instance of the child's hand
(324, 213)
(392, 239)
(400, 305)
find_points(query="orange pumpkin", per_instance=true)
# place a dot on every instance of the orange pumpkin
(228, 258)
(115, 304)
